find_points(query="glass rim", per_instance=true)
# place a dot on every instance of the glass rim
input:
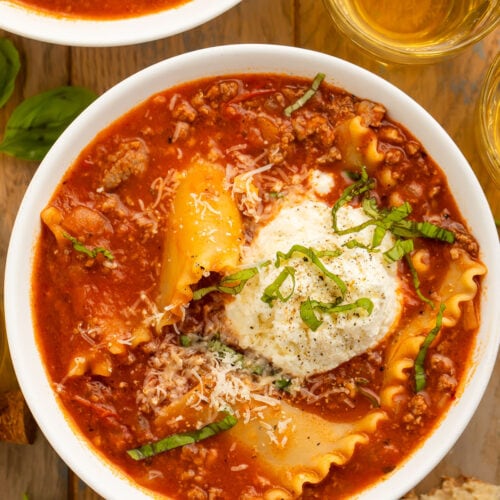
(406, 54)
(489, 150)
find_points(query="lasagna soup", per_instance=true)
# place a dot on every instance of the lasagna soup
(100, 9)
(255, 286)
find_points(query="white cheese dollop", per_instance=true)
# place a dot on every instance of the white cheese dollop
(278, 333)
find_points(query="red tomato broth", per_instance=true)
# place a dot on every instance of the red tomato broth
(100, 9)
(105, 408)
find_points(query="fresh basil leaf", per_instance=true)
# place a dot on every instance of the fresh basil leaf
(92, 253)
(231, 284)
(357, 244)
(283, 384)
(429, 230)
(308, 306)
(185, 341)
(363, 184)
(416, 282)
(420, 379)
(38, 121)
(397, 214)
(9, 68)
(273, 292)
(313, 256)
(399, 250)
(337, 307)
(222, 351)
(308, 316)
(306, 96)
(183, 438)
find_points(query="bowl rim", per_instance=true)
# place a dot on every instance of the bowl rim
(30, 23)
(234, 59)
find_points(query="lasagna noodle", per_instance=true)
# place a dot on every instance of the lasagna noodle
(300, 447)
(358, 144)
(293, 446)
(459, 286)
(203, 235)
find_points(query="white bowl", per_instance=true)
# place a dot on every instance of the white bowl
(108, 33)
(224, 60)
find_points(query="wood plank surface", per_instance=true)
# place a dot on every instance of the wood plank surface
(449, 90)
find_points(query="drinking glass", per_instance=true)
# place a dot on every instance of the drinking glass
(414, 31)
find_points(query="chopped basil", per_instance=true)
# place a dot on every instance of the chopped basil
(420, 380)
(394, 220)
(183, 438)
(314, 257)
(308, 307)
(80, 247)
(273, 292)
(308, 316)
(9, 68)
(231, 284)
(416, 283)
(363, 184)
(399, 250)
(222, 350)
(306, 96)
(276, 195)
(283, 384)
(38, 121)
(357, 244)
(185, 340)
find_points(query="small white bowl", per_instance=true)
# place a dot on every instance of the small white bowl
(229, 60)
(34, 24)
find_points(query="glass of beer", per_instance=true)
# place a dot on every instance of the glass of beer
(410, 31)
(488, 113)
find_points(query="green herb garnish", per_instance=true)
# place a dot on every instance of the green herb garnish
(9, 68)
(38, 121)
(420, 380)
(231, 284)
(283, 384)
(363, 184)
(306, 96)
(183, 438)
(273, 291)
(308, 307)
(394, 220)
(223, 350)
(399, 250)
(185, 340)
(314, 257)
(92, 253)
(416, 282)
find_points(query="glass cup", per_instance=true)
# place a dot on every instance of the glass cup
(488, 113)
(414, 31)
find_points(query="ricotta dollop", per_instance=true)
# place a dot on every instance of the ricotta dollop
(278, 332)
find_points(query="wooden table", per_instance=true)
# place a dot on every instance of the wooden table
(449, 90)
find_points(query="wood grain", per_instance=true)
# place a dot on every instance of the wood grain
(448, 90)
(35, 469)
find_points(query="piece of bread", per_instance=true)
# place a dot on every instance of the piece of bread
(16, 422)
(459, 488)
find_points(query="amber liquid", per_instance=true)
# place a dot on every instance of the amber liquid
(415, 22)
